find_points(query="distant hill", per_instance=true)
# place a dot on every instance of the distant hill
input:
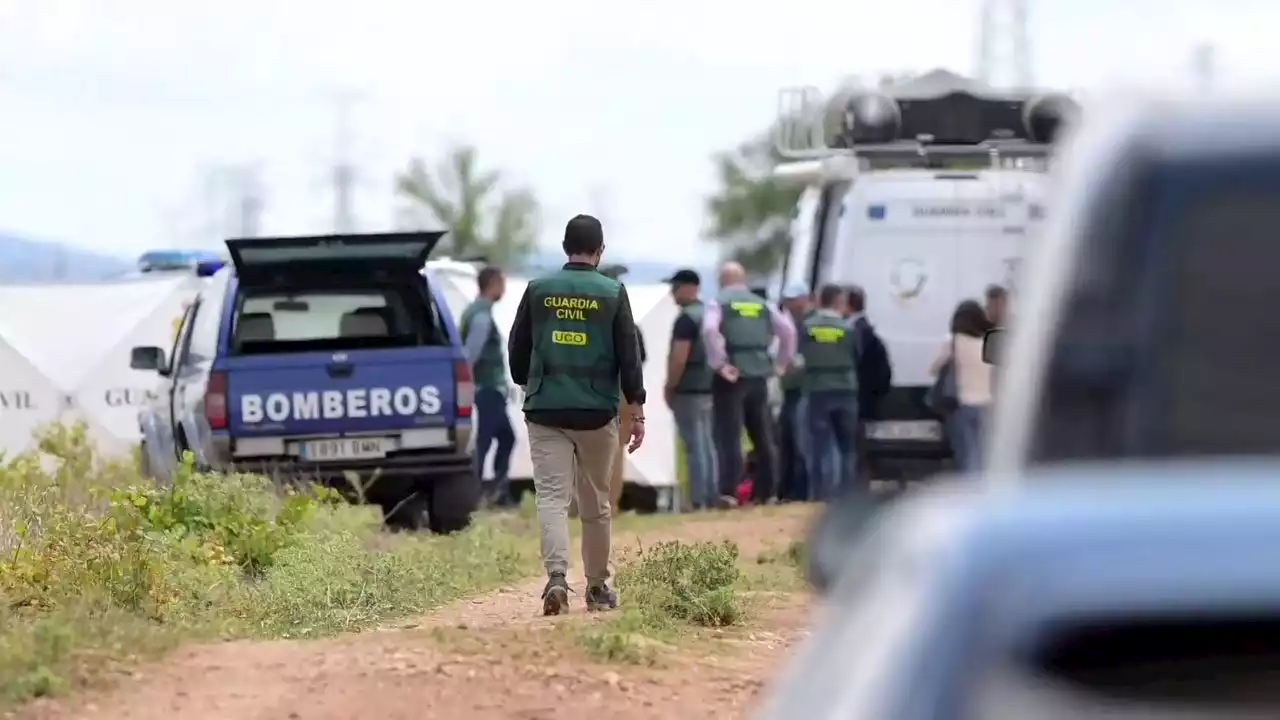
(23, 260)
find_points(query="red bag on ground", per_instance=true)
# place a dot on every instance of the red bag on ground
(744, 491)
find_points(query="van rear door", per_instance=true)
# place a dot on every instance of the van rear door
(338, 337)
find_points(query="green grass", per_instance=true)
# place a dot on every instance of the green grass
(668, 590)
(101, 569)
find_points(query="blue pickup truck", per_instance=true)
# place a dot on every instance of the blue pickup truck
(331, 359)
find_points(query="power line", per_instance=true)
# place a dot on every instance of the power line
(251, 201)
(1204, 66)
(344, 171)
(1004, 44)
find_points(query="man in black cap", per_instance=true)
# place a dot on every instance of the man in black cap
(688, 391)
(573, 348)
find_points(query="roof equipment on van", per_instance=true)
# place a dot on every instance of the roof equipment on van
(939, 118)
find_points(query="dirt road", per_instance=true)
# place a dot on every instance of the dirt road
(492, 656)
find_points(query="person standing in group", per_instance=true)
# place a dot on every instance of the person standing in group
(997, 307)
(483, 347)
(793, 420)
(573, 349)
(969, 324)
(739, 327)
(688, 390)
(830, 383)
(616, 482)
(875, 372)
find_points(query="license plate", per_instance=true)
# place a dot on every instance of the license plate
(918, 430)
(343, 449)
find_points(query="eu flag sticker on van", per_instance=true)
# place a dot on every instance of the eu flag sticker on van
(875, 212)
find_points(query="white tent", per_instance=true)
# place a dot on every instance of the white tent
(78, 337)
(28, 400)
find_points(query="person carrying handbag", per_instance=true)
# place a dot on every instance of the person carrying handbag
(962, 392)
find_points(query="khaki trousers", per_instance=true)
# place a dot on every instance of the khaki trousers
(625, 414)
(569, 464)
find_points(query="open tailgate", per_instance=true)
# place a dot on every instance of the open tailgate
(263, 259)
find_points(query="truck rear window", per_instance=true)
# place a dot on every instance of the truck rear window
(332, 319)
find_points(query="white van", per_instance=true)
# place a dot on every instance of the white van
(920, 224)
(917, 242)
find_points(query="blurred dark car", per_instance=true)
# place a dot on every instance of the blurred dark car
(1133, 591)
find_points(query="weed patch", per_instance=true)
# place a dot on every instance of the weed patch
(100, 568)
(666, 589)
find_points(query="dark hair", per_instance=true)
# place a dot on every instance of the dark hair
(583, 236)
(970, 319)
(488, 274)
(996, 292)
(829, 295)
(857, 298)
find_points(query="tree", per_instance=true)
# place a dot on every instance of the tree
(484, 218)
(750, 213)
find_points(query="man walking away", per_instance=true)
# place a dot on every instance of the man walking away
(997, 305)
(793, 421)
(483, 347)
(738, 328)
(688, 390)
(830, 382)
(573, 348)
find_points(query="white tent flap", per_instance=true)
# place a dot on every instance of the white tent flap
(110, 395)
(75, 341)
(27, 401)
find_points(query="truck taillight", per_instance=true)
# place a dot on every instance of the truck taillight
(215, 401)
(466, 392)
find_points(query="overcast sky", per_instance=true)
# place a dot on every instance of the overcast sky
(111, 113)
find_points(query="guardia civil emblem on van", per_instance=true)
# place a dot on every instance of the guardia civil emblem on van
(907, 279)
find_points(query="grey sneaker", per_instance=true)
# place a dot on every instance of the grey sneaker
(601, 598)
(555, 596)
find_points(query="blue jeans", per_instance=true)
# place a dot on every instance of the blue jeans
(693, 422)
(833, 428)
(494, 427)
(965, 425)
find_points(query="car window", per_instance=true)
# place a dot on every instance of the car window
(272, 321)
(204, 335)
(319, 315)
(1165, 341)
(1216, 381)
(182, 341)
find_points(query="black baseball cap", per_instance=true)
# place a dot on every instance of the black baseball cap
(684, 277)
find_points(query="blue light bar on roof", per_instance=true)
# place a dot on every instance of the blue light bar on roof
(209, 268)
(170, 260)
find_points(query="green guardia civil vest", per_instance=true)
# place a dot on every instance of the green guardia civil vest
(491, 368)
(697, 374)
(828, 349)
(574, 366)
(793, 379)
(747, 327)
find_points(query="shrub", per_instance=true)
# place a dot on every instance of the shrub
(99, 566)
(693, 583)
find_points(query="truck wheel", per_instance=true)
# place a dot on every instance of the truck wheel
(405, 514)
(453, 500)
